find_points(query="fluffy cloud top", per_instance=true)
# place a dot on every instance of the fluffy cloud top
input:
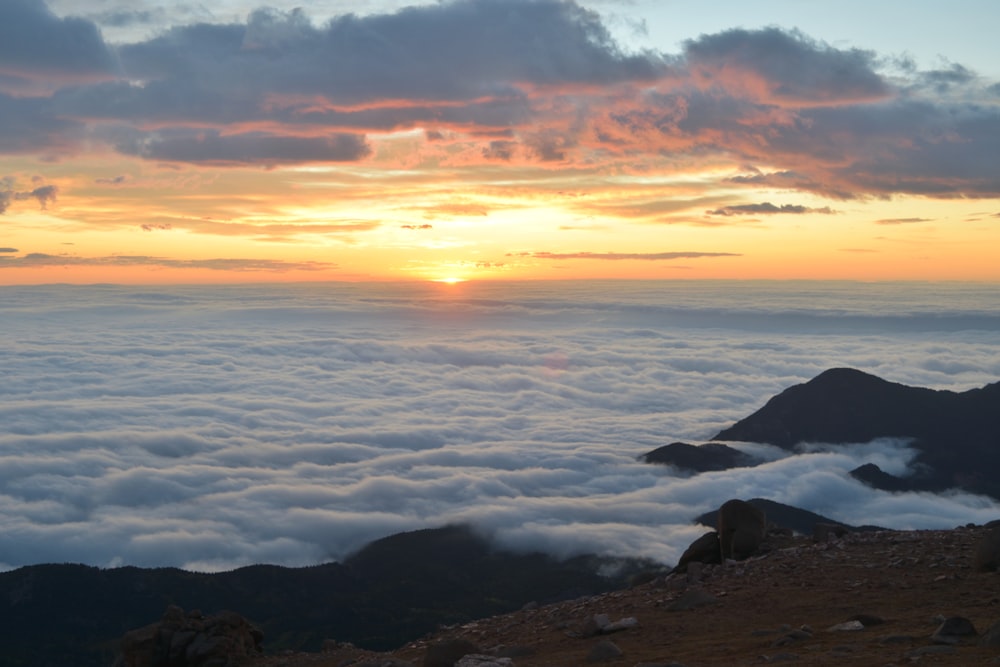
(209, 428)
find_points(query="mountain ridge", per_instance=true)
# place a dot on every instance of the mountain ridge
(956, 434)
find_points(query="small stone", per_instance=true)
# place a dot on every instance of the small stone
(621, 624)
(930, 650)
(953, 629)
(868, 620)
(481, 660)
(848, 626)
(604, 651)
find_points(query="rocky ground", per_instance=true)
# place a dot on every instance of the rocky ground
(867, 598)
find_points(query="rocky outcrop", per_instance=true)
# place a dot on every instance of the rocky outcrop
(741, 529)
(824, 532)
(190, 639)
(780, 515)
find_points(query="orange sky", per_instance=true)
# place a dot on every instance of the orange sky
(744, 154)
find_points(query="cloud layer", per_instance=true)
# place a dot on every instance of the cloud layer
(209, 428)
(498, 82)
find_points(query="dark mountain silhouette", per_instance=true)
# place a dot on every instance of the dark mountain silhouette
(957, 434)
(390, 592)
(877, 478)
(785, 516)
(699, 458)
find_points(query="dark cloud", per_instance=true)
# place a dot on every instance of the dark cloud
(499, 150)
(35, 43)
(30, 126)
(120, 18)
(943, 80)
(767, 208)
(214, 147)
(116, 180)
(792, 67)
(643, 256)
(9, 193)
(37, 259)
(452, 51)
(8, 250)
(425, 226)
(900, 221)
(825, 120)
(282, 70)
(538, 80)
(44, 194)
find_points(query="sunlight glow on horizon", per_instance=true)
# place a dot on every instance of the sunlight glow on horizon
(695, 160)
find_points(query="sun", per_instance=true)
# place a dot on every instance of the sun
(449, 280)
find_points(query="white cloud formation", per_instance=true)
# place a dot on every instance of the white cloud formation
(213, 427)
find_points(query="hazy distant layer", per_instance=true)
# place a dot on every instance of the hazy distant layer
(210, 427)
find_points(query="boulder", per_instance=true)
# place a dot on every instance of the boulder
(953, 630)
(824, 532)
(705, 549)
(447, 652)
(483, 660)
(987, 555)
(604, 651)
(741, 529)
(191, 639)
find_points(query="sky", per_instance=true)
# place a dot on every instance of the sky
(145, 141)
(209, 427)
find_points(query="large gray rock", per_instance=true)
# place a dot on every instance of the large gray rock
(987, 555)
(705, 549)
(741, 529)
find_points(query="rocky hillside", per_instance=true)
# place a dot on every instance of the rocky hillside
(392, 590)
(866, 598)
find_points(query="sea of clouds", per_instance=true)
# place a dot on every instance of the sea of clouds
(213, 427)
